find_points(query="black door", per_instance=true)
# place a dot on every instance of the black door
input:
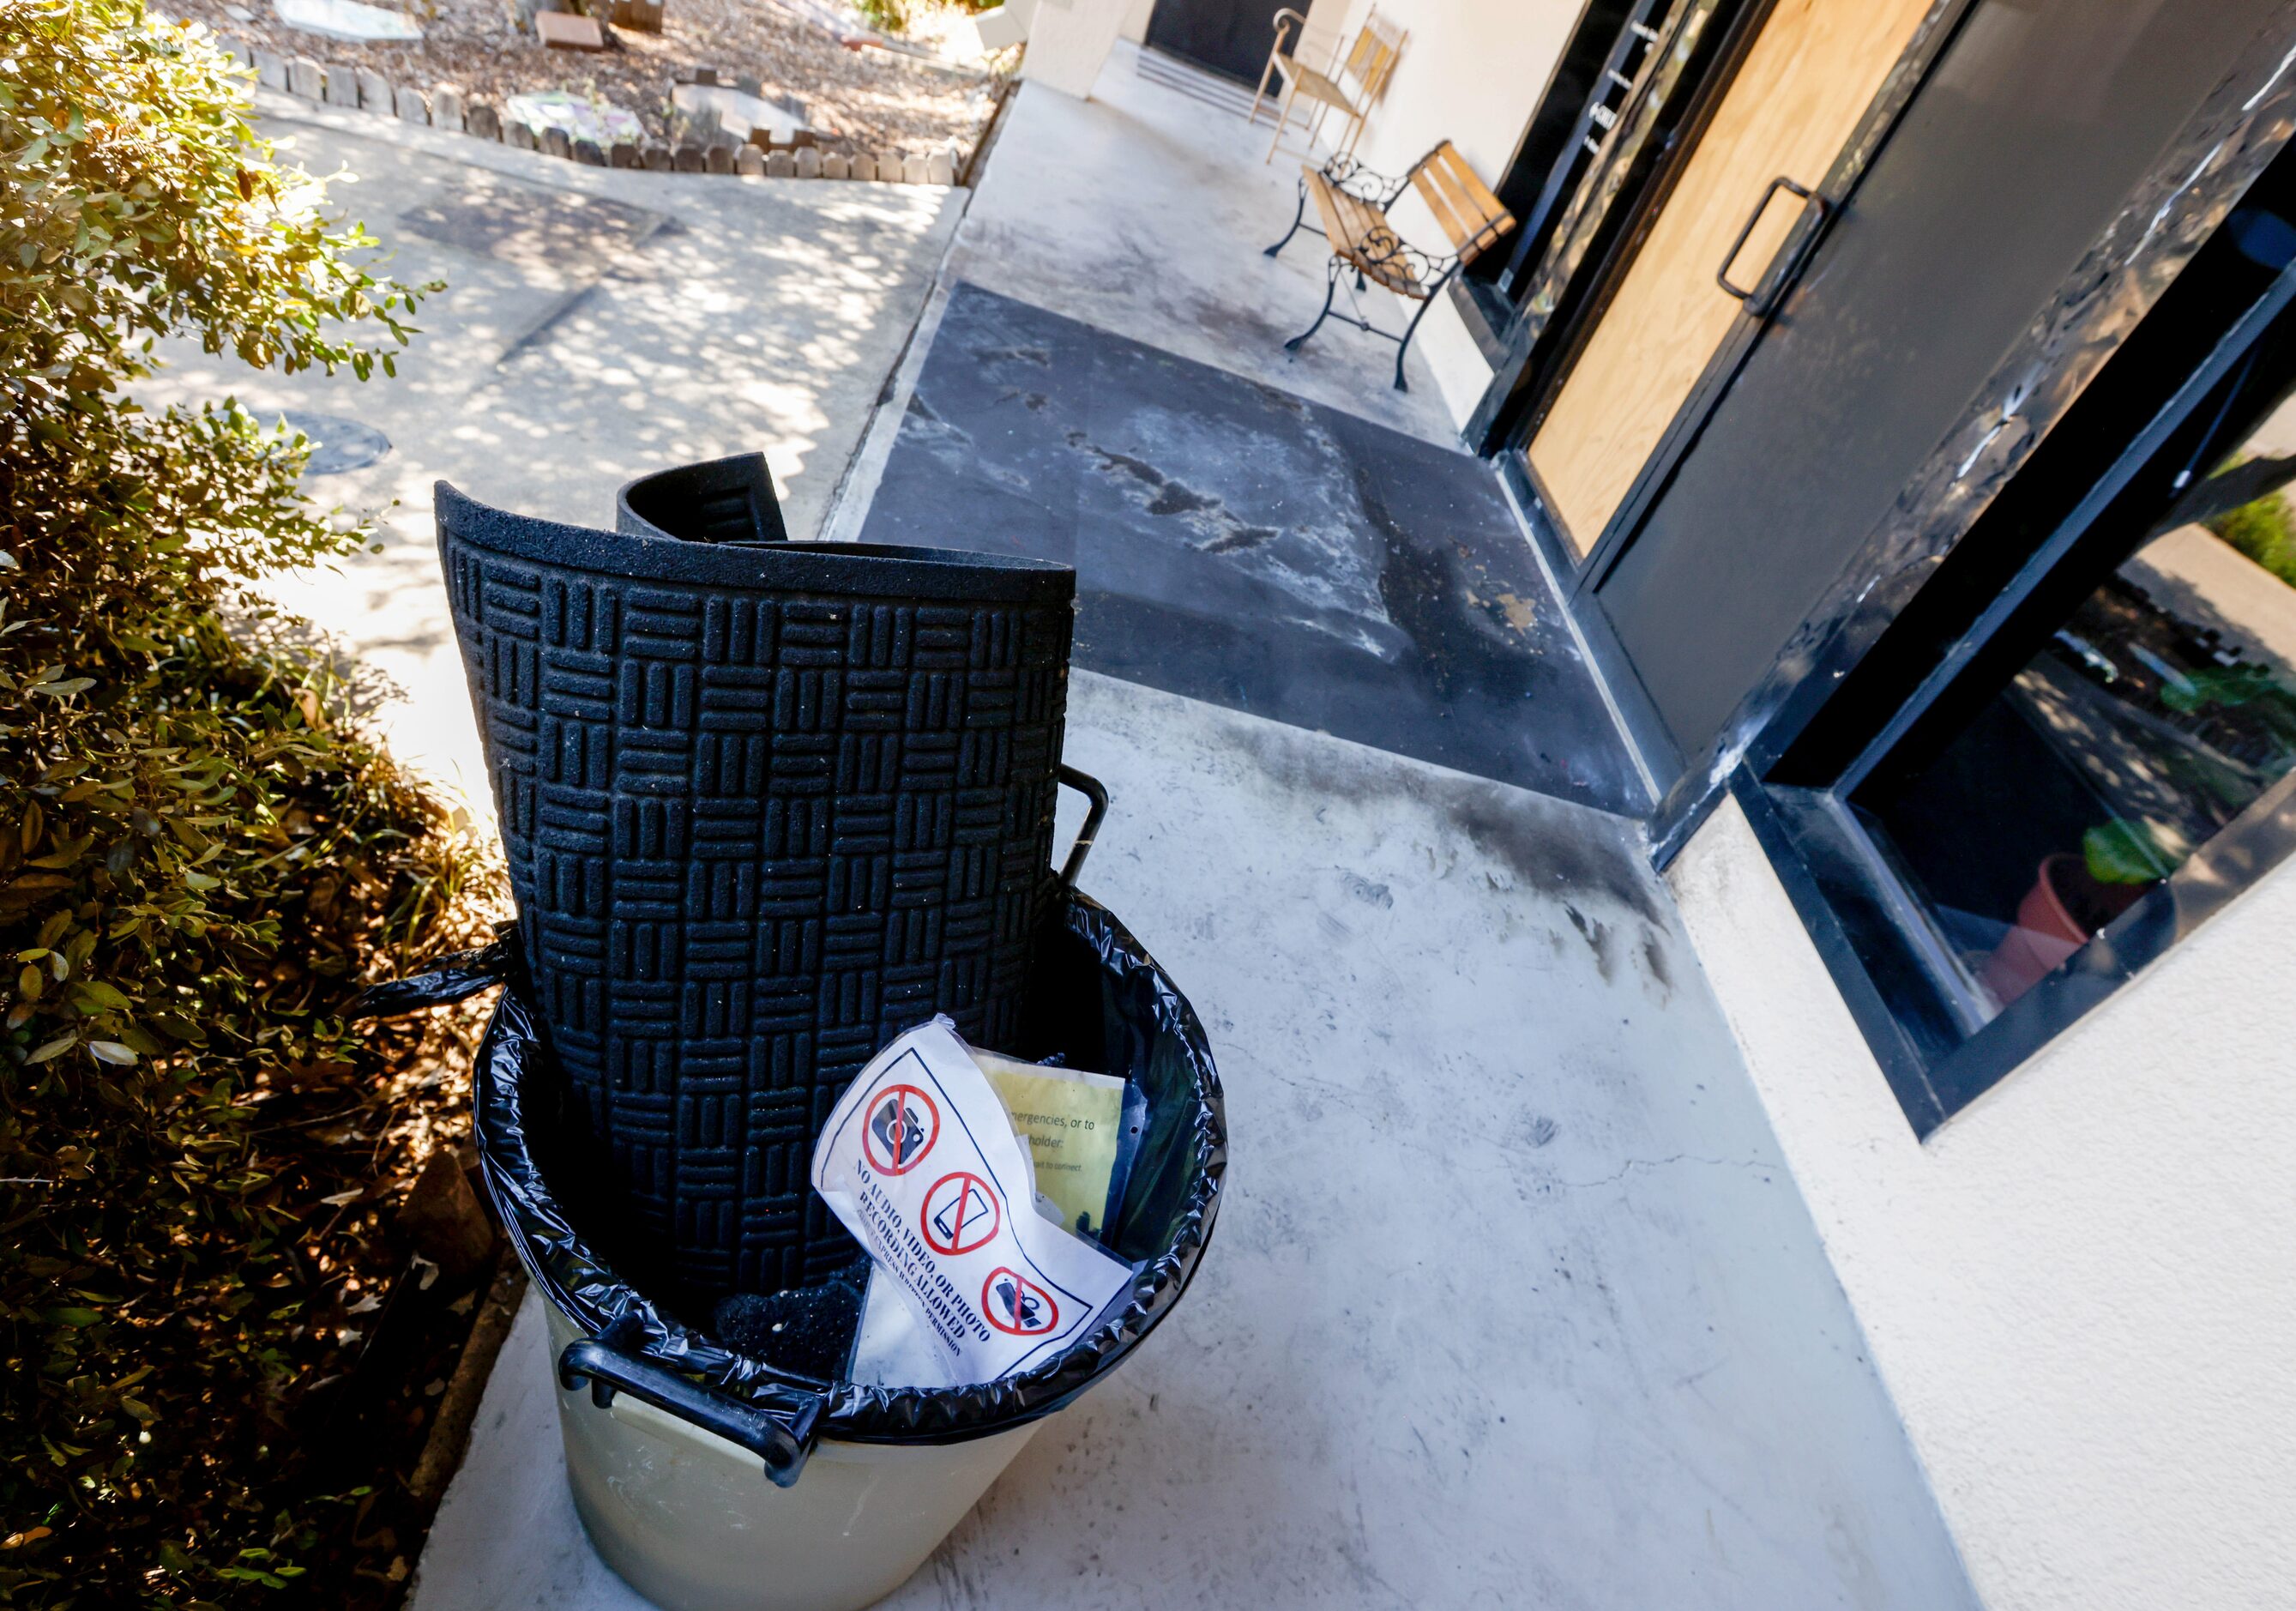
(1232, 37)
(2020, 145)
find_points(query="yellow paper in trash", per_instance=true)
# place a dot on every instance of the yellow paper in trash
(1071, 1122)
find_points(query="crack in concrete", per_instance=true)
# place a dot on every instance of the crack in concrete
(1633, 1164)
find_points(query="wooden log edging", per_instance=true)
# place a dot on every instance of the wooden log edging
(458, 1405)
(446, 106)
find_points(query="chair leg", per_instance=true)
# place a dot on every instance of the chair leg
(1260, 95)
(1275, 55)
(1330, 289)
(1298, 213)
(1283, 120)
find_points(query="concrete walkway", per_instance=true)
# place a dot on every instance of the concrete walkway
(1145, 212)
(1511, 1301)
(596, 325)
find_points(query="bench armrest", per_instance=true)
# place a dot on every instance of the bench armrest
(1384, 252)
(1343, 172)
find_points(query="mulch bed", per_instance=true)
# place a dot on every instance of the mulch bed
(315, 1390)
(384, 1325)
(858, 102)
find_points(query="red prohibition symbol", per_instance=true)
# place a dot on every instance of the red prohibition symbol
(1016, 1304)
(902, 1128)
(960, 1213)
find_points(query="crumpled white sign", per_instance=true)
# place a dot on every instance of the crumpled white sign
(920, 1161)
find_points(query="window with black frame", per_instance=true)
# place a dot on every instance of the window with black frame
(2158, 713)
(2108, 752)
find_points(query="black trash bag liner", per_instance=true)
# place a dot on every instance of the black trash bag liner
(764, 805)
(1099, 1001)
(452, 978)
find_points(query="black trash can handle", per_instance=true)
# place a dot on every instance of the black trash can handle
(1091, 789)
(783, 1435)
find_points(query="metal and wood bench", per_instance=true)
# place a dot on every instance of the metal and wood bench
(1351, 203)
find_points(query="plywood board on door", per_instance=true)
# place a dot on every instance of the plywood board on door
(1805, 83)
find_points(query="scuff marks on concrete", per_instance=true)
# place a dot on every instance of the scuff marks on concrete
(1162, 496)
(1268, 488)
(1555, 849)
(1655, 965)
(1248, 537)
(1597, 936)
(1583, 872)
(1548, 856)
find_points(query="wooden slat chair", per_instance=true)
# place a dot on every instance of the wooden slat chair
(1285, 50)
(1370, 62)
(1352, 204)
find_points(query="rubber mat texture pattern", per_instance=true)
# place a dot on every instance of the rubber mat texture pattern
(753, 835)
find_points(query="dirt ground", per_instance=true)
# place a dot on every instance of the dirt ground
(857, 101)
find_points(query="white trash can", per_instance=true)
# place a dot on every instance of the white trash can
(691, 1521)
(710, 1481)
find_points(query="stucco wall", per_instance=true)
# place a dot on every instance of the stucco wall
(2081, 1291)
(1471, 72)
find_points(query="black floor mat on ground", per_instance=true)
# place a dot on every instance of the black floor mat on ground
(1238, 544)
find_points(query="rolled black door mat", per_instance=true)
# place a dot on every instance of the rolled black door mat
(765, 805)
(720, 500)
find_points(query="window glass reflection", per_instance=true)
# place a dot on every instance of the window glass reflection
(2155, 715)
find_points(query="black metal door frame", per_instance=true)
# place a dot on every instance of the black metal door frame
(1819, 212)
(1814, 680)
(1870, 927)
(1576, 129)
(1530, 396)
(1565, 281)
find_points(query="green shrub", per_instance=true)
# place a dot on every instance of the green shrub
(2128, 851)
(198, 855)
(2260, 531)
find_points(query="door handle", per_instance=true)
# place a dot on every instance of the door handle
(1722, 274)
